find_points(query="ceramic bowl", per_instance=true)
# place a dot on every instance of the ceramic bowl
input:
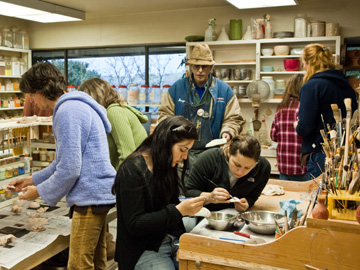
(292, 64)
(282, 50)
(267, 52)
(267, 68)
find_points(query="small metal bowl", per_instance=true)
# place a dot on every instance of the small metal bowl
(220, 221)
(262, 222)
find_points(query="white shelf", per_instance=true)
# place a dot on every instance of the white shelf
(273, 100)
(244, 81)
(281, 72)
(10, 77)
(281, 56)
(34, 144)
(8, 109)
(2, 48)
(12, 123)
(9, 92)
(236, 64)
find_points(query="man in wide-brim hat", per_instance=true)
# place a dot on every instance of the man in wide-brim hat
(205, 100)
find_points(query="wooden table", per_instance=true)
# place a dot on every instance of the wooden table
(60, 244)
(321, 244)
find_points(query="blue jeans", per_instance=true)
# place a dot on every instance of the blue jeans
(165, 259)
(299, 177)
(316, 160)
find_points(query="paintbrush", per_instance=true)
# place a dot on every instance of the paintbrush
(337, 117)
(347, 102)
(210, 181)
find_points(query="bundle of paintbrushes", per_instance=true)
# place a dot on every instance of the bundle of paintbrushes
(341, 177)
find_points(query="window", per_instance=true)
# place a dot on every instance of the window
(119, 65)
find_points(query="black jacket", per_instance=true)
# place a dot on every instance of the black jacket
(212, 165)
(139, 226)
(316, 96)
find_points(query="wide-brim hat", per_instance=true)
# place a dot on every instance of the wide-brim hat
(201, 55)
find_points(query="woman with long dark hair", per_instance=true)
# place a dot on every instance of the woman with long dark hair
(147, 188)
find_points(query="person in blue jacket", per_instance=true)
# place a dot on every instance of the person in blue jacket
(81, 171)
(323, 85)
(204, 100)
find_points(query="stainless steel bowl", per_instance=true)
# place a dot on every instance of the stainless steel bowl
(220, 221)
(262, 222)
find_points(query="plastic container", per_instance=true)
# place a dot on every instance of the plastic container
(156, 94)
(300, 26)
(7, 38)
(144, 94)
(70, 88)
(21, 168)
(2, 173)
(23, 66)
(133, 94)
(269, 80)
(164, 91)
(122, 90)
(15, 66)
(8, 66)
(318, 29)
(2, 66)
(43, 165)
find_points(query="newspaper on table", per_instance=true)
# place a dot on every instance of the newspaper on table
(27, 242)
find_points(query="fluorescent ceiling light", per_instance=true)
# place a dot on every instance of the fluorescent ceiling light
(39, 11)
(247, 4)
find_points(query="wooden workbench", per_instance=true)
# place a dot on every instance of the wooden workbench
(321, 244)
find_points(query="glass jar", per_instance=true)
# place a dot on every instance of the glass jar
(144, 94)
(7, 38)
(36, 155)
(122, 90)
(242, 91)
(300, 26)
(42, 155)
(9, 172)
(50, 156)
(17, 38)
(280, 84)
(133, 94)
(25, 40)
(15, 170)
(164, 91)
(156, 94)
(2, 173)
(15, 66)
(269, 80)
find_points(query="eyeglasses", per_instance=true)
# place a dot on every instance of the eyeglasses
(203, 67)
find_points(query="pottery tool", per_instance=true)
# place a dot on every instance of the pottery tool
(214, 184)
(286, 226)
(244, 234)
(337, 117)
(279, 231)
(231, 239)
(347, 102)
